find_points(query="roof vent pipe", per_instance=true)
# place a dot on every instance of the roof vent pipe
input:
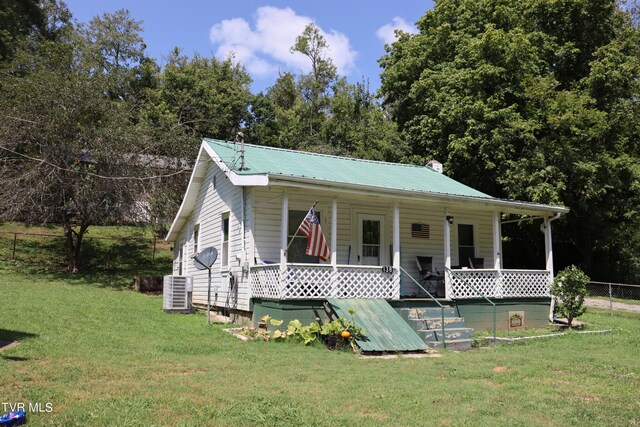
(240, 139)
(436, 166)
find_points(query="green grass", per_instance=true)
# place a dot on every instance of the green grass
(106, 356)
(527, 332)
(110, 256)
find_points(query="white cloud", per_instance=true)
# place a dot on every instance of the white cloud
(386, 33)
(265, 48)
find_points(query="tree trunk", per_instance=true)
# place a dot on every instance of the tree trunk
(73, 240)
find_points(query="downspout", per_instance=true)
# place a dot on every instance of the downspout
(553, 298)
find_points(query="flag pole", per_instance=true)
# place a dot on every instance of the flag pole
(298, 229)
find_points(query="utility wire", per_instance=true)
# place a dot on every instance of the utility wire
(139, 178)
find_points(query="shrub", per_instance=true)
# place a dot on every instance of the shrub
(570, 288)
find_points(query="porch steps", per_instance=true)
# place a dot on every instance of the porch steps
(385, 330)
(427, 322)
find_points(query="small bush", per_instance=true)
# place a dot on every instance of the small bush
(570, 288)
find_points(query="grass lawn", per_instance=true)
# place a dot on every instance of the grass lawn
(106, 356)
(110, 256)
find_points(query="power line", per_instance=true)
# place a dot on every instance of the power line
(43, 161)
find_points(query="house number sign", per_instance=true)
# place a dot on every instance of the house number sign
(387, 269)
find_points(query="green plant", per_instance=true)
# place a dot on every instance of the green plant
(570, 288)
(306, 334)
(331, 332)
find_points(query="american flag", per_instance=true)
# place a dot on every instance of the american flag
(316, 243)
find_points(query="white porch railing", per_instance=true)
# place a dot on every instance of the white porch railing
(319, 281)
(497, 283)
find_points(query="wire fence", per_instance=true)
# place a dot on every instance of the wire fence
(96, 253)
(614, 296)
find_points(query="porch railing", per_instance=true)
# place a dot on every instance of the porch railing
(497, 283)
(319, 281)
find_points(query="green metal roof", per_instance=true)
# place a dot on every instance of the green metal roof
(339, 170)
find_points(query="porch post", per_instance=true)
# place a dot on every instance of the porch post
(284, 232)
(447, 240)
(548, 247)
(396, 246)
(497, 256)
(334, 280)
(334, 233)
(447, 253)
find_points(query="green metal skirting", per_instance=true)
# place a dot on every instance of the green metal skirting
(384, 329)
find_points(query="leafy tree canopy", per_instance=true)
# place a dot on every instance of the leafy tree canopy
(533, 100)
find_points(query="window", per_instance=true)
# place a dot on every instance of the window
(297, 249)
(196, 237)
(466, 247)
(180, 255)
(224, 257)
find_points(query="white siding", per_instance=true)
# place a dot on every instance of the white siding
(266, 229)
(433, 215)
(212, 203)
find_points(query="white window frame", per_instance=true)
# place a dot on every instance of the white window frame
(224, 252)
(196, 238)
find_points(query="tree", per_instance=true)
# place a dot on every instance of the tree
(208, 97)
(322, 112)
(18, 19)
(570, 289)
(315, 85)
(69, 153)
(114, 49)
(529, 100)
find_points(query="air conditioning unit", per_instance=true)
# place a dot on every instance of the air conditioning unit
(176, 294)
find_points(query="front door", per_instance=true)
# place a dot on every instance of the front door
(370, 239)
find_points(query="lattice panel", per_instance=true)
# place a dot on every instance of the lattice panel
(305, 282)
(486, 282)
(358, 282)
(498, 283)
(524, 283)
(265, 281)
(321, 281)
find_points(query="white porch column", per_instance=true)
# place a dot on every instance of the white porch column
(447, 240)
(396, 248)
(396, 236)
(497, 256)
(284, 232)
(447, 253)
(334, 233)
(548, 246)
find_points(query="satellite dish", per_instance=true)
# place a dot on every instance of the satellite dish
(204, 259)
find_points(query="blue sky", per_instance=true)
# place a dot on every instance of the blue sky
(260, 33)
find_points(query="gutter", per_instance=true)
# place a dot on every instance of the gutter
(553, 298)
(312, 183)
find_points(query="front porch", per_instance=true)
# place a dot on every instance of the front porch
(375, 245)
(294, 281)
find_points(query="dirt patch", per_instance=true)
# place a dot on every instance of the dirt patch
(601, 303)
(195, 371)
(441, 377)
(500, 369)
(425, 354)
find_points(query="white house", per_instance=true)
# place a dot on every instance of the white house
(247, 201)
